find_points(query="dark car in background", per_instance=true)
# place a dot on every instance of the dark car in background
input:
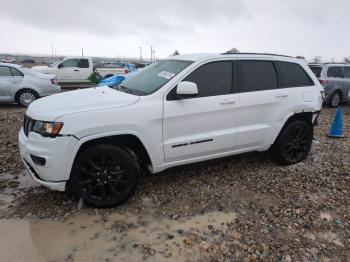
(28, 61)
(335, 79)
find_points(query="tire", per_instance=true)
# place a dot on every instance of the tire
(335, 99)
(293, 143)
(26, 97)
(104, 175)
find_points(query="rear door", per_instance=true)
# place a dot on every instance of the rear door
(260, 102)
(85, 69)
(335, 75)
(69, 71)
(8, 82)
(347, 80)
(206, 124)
(269, 91)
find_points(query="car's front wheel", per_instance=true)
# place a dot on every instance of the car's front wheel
(293, 143)
(105, 175)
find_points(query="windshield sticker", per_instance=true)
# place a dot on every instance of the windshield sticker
(166, 74)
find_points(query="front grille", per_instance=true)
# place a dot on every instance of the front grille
(27, 125)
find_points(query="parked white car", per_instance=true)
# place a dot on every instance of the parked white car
(22, 85)
(95, 142)
(77, 70)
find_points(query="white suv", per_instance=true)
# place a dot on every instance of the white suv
(96, 142)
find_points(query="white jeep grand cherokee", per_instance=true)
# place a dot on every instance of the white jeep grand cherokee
(96, 142)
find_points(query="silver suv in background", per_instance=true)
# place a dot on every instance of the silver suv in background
(335, 79)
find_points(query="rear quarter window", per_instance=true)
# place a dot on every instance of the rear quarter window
(292, 75)
(316, 70)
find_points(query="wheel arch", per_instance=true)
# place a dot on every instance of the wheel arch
(24, 89)
(304, 116)
(129, 141)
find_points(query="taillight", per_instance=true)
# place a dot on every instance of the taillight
(126, 71)
(323, 82)
(54, 81)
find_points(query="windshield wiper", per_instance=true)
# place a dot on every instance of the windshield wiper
(124, 89)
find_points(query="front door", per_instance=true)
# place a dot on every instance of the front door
(8, 83)
(69, 70)
(206, 124)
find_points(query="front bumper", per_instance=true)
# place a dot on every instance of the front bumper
(57, 153)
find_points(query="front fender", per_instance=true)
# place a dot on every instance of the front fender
(88, 138)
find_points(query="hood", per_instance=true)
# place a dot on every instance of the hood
(51, 107)
(42, 69)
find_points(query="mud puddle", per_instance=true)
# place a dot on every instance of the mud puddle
(116, 237)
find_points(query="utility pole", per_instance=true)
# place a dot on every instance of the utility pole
(151, 53)
(51, 49)
(82, 51)
(154, 55)
(140, 54)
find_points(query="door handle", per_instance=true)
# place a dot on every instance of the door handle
(227, 102)
(76, 70)
(281, 95)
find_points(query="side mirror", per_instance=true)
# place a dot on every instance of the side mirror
(60, 66)
(186, 90)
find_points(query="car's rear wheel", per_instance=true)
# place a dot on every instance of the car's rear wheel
(105, 175)
(294, 143)
(26, 97)
(335, 99)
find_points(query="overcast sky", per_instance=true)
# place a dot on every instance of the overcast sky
(119, 28)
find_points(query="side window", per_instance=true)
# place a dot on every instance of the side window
(5, 71)
(335, 71)
(257, 76)
(346, 71)
(15, 72)
(292, 75)
(84, 63)
(212, 79)
(70, 63)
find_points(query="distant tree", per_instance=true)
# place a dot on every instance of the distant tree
(300, 57)
(347, 60)
(316, 59)
(176, 53)
(233, 50)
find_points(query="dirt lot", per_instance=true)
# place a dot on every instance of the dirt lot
(241, 208)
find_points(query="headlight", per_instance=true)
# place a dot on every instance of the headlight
(50, 129)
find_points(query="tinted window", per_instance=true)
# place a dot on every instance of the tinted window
(71, 63)
(15, 72)
(292, 75)
(346, 71)
(212, 79)
(257, 76)
(335, 71)
(5, 71)
(84, 63)
(316, 70)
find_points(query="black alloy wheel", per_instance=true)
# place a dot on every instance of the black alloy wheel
(294, 143)
(105, 175)
(335, 99)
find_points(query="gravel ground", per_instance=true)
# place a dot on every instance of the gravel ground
(292, 213)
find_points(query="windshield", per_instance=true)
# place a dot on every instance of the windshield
(54, 63)
(153, 77)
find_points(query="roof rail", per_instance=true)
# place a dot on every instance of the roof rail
(227, 53)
